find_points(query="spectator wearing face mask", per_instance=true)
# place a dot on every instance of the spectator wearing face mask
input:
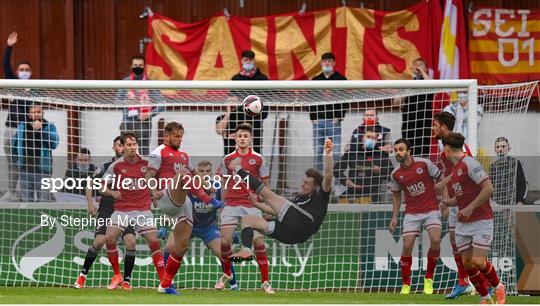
(363, 169)
(459, 108)
(326, 119)
(137, 116)
(507, 176)
(18, 109)
(370, 118)
(250, 71)
(81, 169)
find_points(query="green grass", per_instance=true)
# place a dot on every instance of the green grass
(33, 295)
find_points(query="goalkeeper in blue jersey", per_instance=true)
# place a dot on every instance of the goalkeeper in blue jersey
(205, 224)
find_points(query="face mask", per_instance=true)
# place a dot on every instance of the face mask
(83, 167)
(248, 67)
(501, 154)
(369, 144)
(369, 121)
(138, 70)
(24, 75)
(327, 69)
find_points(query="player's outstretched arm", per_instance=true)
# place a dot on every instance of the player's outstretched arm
(328, 167)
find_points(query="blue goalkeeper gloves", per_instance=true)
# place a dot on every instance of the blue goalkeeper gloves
(163, 232)
(216, 203)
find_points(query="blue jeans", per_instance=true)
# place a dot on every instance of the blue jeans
(31, 185)
(322, 129)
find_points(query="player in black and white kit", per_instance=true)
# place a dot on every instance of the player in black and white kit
(297, 220)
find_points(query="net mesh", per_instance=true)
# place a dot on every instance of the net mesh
(352, 251)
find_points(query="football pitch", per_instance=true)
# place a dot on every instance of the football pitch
(32, 295)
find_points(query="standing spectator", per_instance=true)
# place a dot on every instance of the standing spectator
(138, 119)
(459, 109)
(370, 118)
(326, 119)
(507, 176)
(226, 123)
(417, 114)
(250, 71)
(18, 109)
(34, 141)
(81, 169)
(365, 167)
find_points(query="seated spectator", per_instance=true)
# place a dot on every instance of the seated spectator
(507, 176)
(33, 144)
(81, 169)
(383, 133)
(364, 169)
(138, 119)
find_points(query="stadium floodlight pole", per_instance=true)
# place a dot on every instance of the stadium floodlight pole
(472, 106)
(229, 85)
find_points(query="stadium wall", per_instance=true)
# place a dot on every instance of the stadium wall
(89, 39)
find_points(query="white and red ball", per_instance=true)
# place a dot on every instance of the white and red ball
(252, 105)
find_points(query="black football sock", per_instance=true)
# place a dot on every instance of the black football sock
(129, 262)
(91, 255)
(254, 183)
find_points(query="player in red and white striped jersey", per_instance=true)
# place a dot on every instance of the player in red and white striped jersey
(416, 177)
(237, 199)
(173, 170)
(132, 206)
(443, 124)
(472, 190)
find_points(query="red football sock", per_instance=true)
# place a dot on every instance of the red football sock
(406, 263)
(171, 268)
(112, 254)
(490, 274)
(461, 271)
(226, 251)
(262, 261)
(478, 281)
(432, 258)
(157, 257)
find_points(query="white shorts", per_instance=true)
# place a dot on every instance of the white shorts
(181, 212)
(412, 223)
(452, 218)
(231, 215)
(141, 221)
(477, 234)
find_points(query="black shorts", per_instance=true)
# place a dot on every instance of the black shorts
(295, 227)
(105, 212)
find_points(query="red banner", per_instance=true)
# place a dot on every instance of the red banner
(504, 45)
(368, 44)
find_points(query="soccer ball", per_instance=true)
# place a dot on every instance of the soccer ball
(252, 105)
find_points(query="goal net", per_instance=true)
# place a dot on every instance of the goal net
(56, 129)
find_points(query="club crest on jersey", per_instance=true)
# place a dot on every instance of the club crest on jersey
(459, 172)
(143, 169)
(419, 171)
(170, 154)
(252, 161)
(124, 171)
(401, 177)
